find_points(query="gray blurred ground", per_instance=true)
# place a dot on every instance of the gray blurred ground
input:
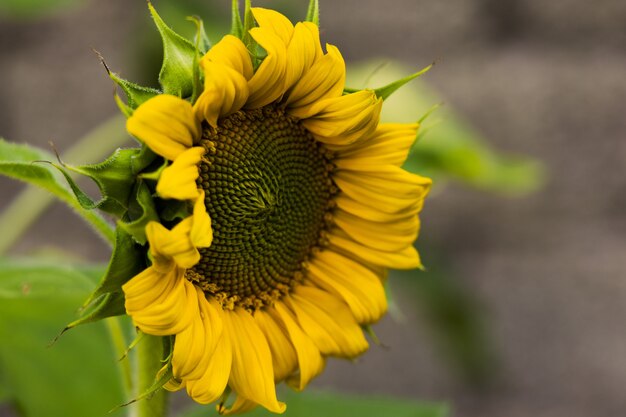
(543, 78)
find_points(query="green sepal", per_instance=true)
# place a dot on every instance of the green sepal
(141, 210)
(202, 45)
(313, 13)
(115, 178)
(246, 38)
(389, 89)
(161, 379)
(136, 94)
(175, 210)
(107, 305)
(236, 26)
(200, 40)
(126, 261)
(176, 75)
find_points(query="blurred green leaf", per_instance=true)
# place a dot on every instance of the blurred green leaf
(454, 317)
(23, 162)
(448, 147)
(74, 377)
(311, 403)
(35, 8)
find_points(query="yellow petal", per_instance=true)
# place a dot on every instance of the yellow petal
(303, 50)
(213, 382)
(357, 285)
(328, 321)
(189, 358)
(407, 258)
(389, 144)
(241, 405)
(325, 79)
(225, 92)
(310, 361)
(201, 234)
(166, 124)
(284, 359)
(268, 84)
(175, 244)
(230, 51)
(346, 119)
(251, 376)
(388, 236)
(195, 346)
(178, 181)
(161, 303)
(367, 212)
(389, 189)
(275, 22)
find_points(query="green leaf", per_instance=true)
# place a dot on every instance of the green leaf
(389, 89)
(453, 150)
(20, 162)
(35, 8)
(177, 73)
(75, 377)
(313, 13)
(237, 25)
(200, 40)
(126, 261)
(311, 403)
(449, 148)
(454, 316)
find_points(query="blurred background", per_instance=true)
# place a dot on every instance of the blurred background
(522, 308)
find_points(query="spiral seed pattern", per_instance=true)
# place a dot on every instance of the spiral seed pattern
(269, 191)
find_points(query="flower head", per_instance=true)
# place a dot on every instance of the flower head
(297, 205)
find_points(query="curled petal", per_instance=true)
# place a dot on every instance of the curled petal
(267, 83)
(389, 144)
(166, 124)
(225, 92)
(231, 52)
(356, 284)
(275, 22)
(324, 80)
(178, 181)
(303, 51)
(172, 245)
(161, 303)
(346, 119)
(328, 321)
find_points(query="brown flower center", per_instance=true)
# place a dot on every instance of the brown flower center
(269, 188)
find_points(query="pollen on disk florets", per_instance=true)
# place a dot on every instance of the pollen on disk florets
(269, 191)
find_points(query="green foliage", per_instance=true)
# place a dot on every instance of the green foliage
(311, 403)
(24, 163)
(453, 316)
(35, 8)
(177, 72)
(73, 377)
(448, 148)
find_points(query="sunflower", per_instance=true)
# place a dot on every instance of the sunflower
(298, 206)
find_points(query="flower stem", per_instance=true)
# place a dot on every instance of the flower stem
(149, 356)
